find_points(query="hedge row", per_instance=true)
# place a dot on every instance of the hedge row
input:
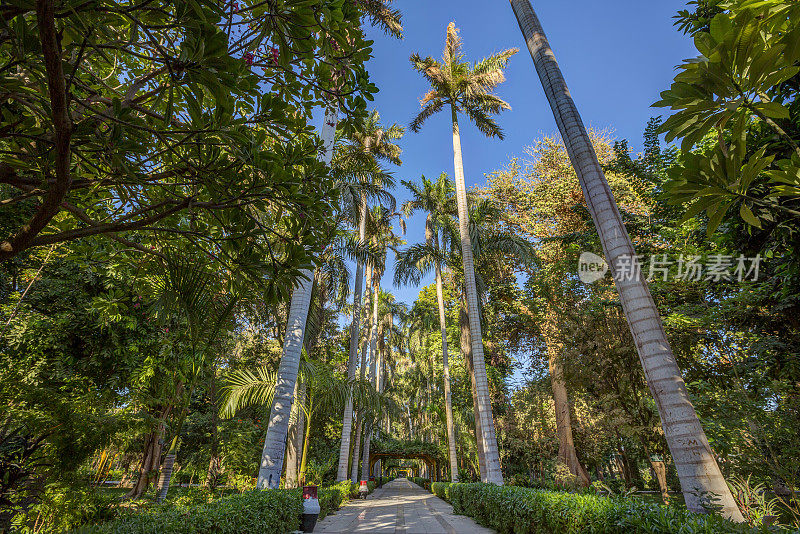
(273, 511)
(514, 510)
(423, 482)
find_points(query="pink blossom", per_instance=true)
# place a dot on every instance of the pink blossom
(248, 58)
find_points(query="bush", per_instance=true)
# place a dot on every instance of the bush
(513, 510)
(440, 489)
(331, 498)
(423, 482)
(271, 511)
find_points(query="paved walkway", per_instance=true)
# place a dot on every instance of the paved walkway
(399, 507)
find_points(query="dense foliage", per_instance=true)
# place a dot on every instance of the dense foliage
(163, 192)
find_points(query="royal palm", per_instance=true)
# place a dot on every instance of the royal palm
(436, 199)
(697, 468)
(464, 88)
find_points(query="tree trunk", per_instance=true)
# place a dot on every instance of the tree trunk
(304, 460)
(448, 398)
(698, 471)
(356, 451)
(215, 463)
(494, 475)
(269, 474)
(352, 360)
(294, 439)
(165, 477)
(150, 459)
(566, 445)
(466, 348)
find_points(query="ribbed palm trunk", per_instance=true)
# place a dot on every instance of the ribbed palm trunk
(352, 360)
(165, 477)
(494, 474)
(363, 369)
(466, 349)
(269, 474)
(697, 469)
(294, 440)
(566, 443)
(430, 237)
(373, 359)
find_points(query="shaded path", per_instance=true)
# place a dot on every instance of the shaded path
(399, 507)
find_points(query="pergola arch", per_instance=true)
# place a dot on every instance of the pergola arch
(430, 460)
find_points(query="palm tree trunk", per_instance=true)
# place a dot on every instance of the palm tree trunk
(352, 361)
(448, 398)
(304, 460)
(494, 475)
(294, 440)
(165, 477)
(566, 445)
(356, 450)
(697, 469)
(215, 463)
(466, 349)
(269, 474)
(363, 369)
(373, 338)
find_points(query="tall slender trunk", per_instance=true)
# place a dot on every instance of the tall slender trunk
(466, 349)
(165, 476)
(269, 474)
(357, 449)
(294, 439)
(151, 458)
(566, 445)
(215, 463)
(494, 473)
(306, 441)
(697, 469)
(448, 398)
(352, 360)
(373, 339)
(362, 370)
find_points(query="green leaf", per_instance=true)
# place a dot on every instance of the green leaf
(747, 214)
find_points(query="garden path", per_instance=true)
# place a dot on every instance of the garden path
(399, 507)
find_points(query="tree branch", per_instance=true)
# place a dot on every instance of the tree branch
(63, 133)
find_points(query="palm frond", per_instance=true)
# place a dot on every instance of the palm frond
(429, 109)
(452, 45)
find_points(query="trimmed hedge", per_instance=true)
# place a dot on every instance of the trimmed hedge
(273, 511)
(423, 482)
(277, 511)
(440, 489)
(514, 510)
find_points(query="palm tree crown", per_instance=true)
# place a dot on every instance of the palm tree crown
(464, 86)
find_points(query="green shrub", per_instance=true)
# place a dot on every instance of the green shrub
(331, 498)
(513, 510)
(440, 489)
(274, 511)
(423, 482)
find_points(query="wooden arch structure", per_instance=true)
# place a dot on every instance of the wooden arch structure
(430, 461)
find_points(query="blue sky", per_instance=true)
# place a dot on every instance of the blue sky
(617, 56)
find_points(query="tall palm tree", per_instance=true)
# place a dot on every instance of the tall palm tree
(383, 238)
(370, 142)
(324, 392)
(380, 14)
(492, 250)
(436, 199)
(467, 89)
(697, 469)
